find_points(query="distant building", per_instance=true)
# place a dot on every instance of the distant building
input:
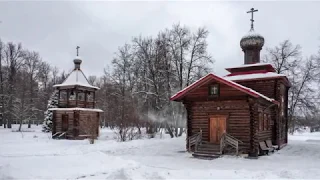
(76, 115)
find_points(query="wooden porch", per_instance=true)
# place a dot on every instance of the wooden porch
(209, 150)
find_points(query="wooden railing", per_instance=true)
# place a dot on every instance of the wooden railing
(195, 140)
(227, 139)
(59, 134)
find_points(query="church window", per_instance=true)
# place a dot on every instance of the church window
(264, 121)
(214, 90)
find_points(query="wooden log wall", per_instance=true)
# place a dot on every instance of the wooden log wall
(253, 136)
(201, 93)
(238, 122)
(58, 121)
(188, 106)
(265, 87)
(266, 133)
(271, 88)
(86, 120)
(73, 103)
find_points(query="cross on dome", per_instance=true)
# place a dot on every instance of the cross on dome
(252, 10)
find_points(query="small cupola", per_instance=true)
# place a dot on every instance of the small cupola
(77, 62)
(252, 43)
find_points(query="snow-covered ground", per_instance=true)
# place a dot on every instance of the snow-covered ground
(34, 155)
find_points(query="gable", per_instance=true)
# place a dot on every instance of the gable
(202, 92)
(212, 77)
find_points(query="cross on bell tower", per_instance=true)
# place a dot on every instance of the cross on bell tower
(77, 50)
(252, 10)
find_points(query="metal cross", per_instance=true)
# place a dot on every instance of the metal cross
(78, 50)
(252, 10)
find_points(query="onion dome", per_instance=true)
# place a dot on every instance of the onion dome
(77, 62)
(252, 40)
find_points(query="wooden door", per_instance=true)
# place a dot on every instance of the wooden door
(217, 127)
(65, 121)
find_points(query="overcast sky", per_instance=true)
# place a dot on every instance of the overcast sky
(54, 29)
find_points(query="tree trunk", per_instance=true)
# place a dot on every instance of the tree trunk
(20, 124)
(29, 124)
(169, 130)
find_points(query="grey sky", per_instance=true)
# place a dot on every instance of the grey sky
(54, 29)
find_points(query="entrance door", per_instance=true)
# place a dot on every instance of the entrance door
(217, 128)
(65, 120)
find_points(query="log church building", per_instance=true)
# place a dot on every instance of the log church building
(243, 112)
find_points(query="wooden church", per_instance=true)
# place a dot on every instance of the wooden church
(240, 112)
(76, 116)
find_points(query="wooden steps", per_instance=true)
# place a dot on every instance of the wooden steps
(207, 150)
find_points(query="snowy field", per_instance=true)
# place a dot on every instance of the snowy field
(34, 155)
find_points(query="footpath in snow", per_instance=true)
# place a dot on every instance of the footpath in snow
(34, 155)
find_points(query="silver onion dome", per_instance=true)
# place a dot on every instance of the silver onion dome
(77, 62)
(252, 40)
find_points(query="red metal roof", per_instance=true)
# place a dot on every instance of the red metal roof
(179, 95)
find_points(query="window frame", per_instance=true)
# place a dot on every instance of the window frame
(218, 90)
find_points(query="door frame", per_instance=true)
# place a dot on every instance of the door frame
(226, 115)
(62, 122)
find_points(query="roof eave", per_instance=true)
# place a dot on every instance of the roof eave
(266, 78)
(74, 85)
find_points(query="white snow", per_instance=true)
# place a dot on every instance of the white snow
(250, 65)
(254, 76)
(76, 77)
(33, 155)
(76, 109)
(252, 33)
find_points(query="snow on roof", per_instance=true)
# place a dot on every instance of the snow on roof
(254, 76)
(224, 81)
(252, 33)
(75, 109)
(251, 65)
(76, 78)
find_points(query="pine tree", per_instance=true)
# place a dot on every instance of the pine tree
(48, 115)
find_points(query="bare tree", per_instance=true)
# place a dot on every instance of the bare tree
(32, 60)
(14, 60)
(286, 58)
(2, 55)
(55, 72)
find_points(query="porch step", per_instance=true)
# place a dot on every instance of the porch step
(207, 150)
(208, 156)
